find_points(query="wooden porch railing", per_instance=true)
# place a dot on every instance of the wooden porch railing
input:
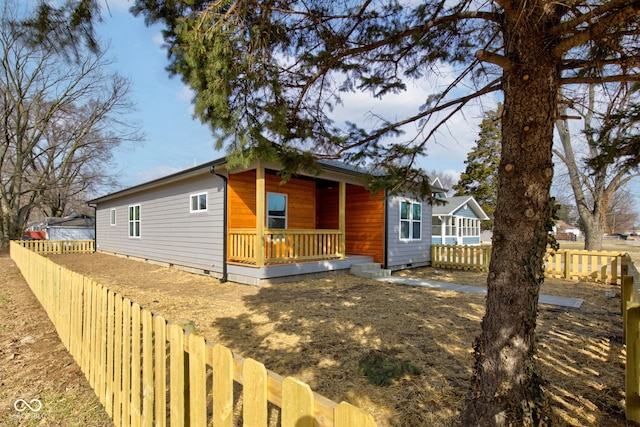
(284, 245)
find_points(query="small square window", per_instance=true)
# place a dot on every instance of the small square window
(198, 202)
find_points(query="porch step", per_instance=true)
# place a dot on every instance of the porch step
(370, 270)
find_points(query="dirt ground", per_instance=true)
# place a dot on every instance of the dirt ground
(319, 330)
(34, 365)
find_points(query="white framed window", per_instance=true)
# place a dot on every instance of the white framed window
(112, 217)
(198, 202)
(410, 220)
(276, 210)
(134, 221)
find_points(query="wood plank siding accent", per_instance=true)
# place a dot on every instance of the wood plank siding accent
(301, 200)
(365, 223)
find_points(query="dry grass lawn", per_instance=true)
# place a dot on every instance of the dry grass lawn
(319, 330)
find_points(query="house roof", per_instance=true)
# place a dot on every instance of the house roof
(453, 204)
(74, 221)
(212, 167)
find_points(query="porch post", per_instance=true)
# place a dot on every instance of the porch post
(260, 216)
(342, 217)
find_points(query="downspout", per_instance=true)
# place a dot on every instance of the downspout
(386, 229)
(95, 226)
(225, 214)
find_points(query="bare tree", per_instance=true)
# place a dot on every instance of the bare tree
(61, 122)
(593, 188)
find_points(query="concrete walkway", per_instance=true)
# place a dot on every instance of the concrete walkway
(574, 303)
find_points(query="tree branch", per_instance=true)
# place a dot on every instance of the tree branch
(596, 30)
(494, 58)
(567, 26)
(579, 80)
(491, 87)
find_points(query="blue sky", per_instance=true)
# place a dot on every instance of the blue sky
(175, 140)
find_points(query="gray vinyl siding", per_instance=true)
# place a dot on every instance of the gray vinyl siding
(169, 232)
(401, 253)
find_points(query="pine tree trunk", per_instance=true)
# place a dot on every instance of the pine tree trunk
(506, 387)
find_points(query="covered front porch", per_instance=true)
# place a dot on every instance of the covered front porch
(305, 220)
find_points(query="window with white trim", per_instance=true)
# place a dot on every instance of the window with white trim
(198, 202)
(276, 210)
(410, 220)
(134, 221)
(112, 217)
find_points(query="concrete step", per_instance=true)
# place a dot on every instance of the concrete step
(369, 270)
(364, 266)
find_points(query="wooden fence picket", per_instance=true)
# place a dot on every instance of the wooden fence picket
(197, 380)
(254, 408)
(147, 369)
(160, 370)
(297, 404)
(349, 415)
(178, 372)
(117, 361)
(126, 363)
(222, 362)
(136, 366)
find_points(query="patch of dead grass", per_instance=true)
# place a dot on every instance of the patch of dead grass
(318, 330)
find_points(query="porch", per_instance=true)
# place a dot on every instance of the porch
(305, 220)
(280, 246)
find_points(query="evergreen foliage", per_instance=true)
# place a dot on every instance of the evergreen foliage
(480, 178)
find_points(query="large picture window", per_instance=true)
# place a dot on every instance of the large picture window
(410, 220)
(198, 202)
(134, 221)
(276, 210)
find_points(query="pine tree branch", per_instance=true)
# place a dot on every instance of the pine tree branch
(494, 58)
(570, 25)
(624, 62)
(578, 80)
(597, 29)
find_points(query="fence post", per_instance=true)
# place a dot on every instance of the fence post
(632, 339)
(567, 265)
(625, 299)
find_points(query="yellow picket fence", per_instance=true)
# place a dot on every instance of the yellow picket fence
(461, 257)
(147, 371)
(58, 246)
(567, 264)
(631, 330)
(603, 267)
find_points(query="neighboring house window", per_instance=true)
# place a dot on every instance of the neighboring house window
(276, 210)
(436, 226)
(112, 217)
(198, 202)
(410, 221)
(134, 221)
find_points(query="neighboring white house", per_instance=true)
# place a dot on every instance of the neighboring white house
(73, 227)
(457, 220)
